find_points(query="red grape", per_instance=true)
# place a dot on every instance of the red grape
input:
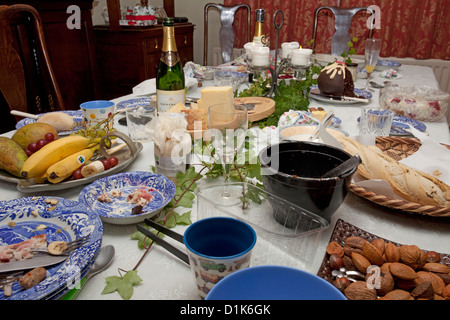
(77, 174)
(106, 164)
(41, 142)
(33, 147)
(113, 161)
(28, 152)
(49, 137)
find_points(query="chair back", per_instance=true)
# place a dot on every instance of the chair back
(27, 81)
(343, 20)
(226, 34)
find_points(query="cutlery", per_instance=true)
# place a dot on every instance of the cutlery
(350, 275)
(39, 260)
(376, 85)
(316, 92)
(24, 114)
(178, 237)
(343, 167)
(103, 261)
(322, 124)
(62, 247)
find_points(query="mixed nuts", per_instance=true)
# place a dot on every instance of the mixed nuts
(392, 272)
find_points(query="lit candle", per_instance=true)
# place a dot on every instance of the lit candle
(260, 56)
(287, 48)
(301, 57)
(249, 47)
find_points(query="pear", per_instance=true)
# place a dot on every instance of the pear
(33, 132)
(12, 156)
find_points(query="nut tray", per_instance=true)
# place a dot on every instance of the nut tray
(277, 244)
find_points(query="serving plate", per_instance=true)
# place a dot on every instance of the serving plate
(387, 64)
(264, 107)
(399, 148)
(119, 210)
(337, 100)
(76, 114)
(126, 103)
(65, 221)
(344, 230)
(126, 156)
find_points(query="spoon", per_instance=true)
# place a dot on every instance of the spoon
(343, 167)
(103, 261)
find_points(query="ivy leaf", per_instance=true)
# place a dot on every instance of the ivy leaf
(175, 219)
(144, 241)
(123, 285)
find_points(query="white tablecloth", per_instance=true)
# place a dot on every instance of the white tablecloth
(166, 277)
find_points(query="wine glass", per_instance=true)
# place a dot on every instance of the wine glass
(372, 53)
(227, 128)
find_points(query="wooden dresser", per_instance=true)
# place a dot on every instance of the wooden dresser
(126, 56)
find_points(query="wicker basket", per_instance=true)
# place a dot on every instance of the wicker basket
(399, 148)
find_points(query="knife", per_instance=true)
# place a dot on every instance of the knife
(316, 92)
(39, 260)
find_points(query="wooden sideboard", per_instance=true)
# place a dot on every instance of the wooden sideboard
(130, 55)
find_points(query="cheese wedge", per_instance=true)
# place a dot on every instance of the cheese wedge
(177, 108)
(217, 95)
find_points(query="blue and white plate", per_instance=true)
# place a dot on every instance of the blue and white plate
(68, 221)
(126, 103)
(359, 92)
(387, 64)
(118, 187)
(76, 114)
(401, 124)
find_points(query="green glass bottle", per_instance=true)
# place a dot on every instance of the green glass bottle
(170, 83)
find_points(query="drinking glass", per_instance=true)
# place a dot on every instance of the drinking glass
(227, 128)
(372, 53)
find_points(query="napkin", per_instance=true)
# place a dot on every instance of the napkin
(148, 87)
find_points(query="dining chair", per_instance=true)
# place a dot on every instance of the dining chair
(343, 20)
(226, 33)
(27, 81)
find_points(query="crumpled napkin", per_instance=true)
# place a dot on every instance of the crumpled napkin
(390, 74)
(148, 87)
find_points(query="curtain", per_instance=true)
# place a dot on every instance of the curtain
(409, 28)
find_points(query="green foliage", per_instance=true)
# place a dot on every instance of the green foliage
(351, 51)
(123, 284)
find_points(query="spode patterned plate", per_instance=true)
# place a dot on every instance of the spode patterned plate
(115, 189)
(76, 114)
(359, 92)
(126, 103)
(65, 221)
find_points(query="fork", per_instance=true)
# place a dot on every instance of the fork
(62, 247)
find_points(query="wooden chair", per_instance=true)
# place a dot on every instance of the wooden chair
(226, 31)
(343, 20)
(27, 81)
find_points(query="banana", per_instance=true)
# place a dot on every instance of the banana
(38, 163)
(92, 168)
(64, 168)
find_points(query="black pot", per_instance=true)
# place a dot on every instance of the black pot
(292, 171)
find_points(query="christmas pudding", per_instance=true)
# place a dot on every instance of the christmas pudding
(336, 80)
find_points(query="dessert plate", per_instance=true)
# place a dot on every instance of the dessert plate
(387, 64)
(115, 198)
(359, 92)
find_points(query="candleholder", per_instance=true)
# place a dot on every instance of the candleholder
(300, 71)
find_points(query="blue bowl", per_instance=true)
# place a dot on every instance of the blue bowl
(273, 283)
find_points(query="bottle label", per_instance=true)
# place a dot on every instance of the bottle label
(167, 99)
(260, 39)
(170, 58)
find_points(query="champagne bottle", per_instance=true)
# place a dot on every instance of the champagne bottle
(260, 36)
(170, 83)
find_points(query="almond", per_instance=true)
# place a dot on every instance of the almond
(423, 291)
(437, 282)
(399, 295)
(353, 244)
(359, 291)
(446, 292)
(436, 267)
(379, 244)
(372, 254)
(391, 252)
(360, 262)
(412, 256)
(384, 283)
(432, 256)
(402, 271)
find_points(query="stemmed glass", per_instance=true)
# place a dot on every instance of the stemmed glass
(227, 128)
(372, 52)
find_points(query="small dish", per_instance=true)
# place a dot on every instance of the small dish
(109, 196)
(122, 105)
(401, 124)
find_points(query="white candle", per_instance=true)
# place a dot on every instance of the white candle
(249, 47)
(301, 57)
(287, 48)
(260, 56)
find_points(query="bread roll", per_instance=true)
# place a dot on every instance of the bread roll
(59, 120)
(408, 183)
